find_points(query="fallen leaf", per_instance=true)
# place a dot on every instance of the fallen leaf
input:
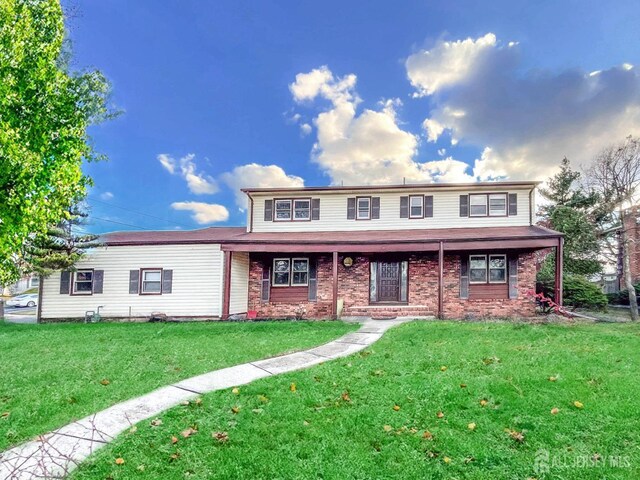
(185, 403)
(119, 461)
(174, 440)
(346, 397)
(174, 456)
(263, 399)
(515, 435)
(439, 414)
(463, 385)
(292, 387)
(555, 411)
(469, 459)
(188, 432)
(553, 379)
(396, 407)
(198, 401)
(305, 423)
(133, 429)
(105, 381)
(443, 368)
(257, 410)
(387, 428)
(222, 437)
(236, 391)
(5, 414)
(427, 435)
(235, 409)
(446, 460)
(578, 404)
(596, 457)
(483, 403)
(156, 422)
(471, 426)
(140, 468)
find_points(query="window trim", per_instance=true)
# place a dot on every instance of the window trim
(73, 281)
(487, 259)
(421, 197)
(488, 204)
(275, 209)
(486, 269)
(290, 260)
(141, 280)
(506, 268)
(293, 209)
(306, 284)
(358, 217)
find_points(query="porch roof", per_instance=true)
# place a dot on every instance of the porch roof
(518, 237)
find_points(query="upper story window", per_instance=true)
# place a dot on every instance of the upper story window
(83, 282)
(488, 205)
(416, 206)
(363, 210)
(487, 269)
(302, 209)
(290, 272)
(282, 210)
(151, 281)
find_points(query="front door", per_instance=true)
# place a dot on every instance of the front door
(388, 281)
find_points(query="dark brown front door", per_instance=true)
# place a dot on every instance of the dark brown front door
(388, 281)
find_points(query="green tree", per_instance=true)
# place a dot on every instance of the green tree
(45, 110)
(573, 211)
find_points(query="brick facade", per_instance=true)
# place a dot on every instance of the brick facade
(353, 289)
(632, 229)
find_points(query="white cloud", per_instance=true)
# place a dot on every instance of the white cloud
(442, 152)
(305, 129)
(197, 182)
(258, 176)
(447, 63)
(321, 82)
(203, 213)
(524, 122)
(106, 196)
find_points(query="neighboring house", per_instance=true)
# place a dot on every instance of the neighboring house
(448, 250)
(25, 283)
(632, 228)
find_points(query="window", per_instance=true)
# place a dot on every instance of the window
(300, 272)
(363, 208)
(151, 282)
(416, 206)
(290, 272)
(493, 271)
(281, 267)
(83, 282)
(302, 209)
(478, 205)
(497, 268)
(497, 204)
(478, 269)
(283, 210)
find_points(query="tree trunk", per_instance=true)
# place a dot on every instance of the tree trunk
(626, 263)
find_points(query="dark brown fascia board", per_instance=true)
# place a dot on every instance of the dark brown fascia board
(408, 186)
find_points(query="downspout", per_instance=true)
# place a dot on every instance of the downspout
(250, 212)
(531, 206)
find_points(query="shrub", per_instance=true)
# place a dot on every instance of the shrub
(577, 292)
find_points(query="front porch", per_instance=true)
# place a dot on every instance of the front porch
(444, 279)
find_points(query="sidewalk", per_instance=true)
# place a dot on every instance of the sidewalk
(55, 454)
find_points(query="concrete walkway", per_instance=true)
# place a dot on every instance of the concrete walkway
(57, 453)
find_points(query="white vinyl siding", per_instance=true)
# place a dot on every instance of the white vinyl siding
(239, 295)
(446, 212)
(196, 285)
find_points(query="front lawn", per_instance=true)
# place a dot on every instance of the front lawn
(429, 400)
(53, 374)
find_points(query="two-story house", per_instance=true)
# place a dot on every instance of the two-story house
(446, 250)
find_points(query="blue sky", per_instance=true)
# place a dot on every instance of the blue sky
(222, 94)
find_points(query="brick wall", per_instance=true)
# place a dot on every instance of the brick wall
(633, 234)
(353, 288)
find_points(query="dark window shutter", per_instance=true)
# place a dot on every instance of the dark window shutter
(65, 282)
(513, 276)
(428, 206)
(315, 209)
(375, 207)
(313, 280)
(265, 286)
(134, 280)
(167, 281)
(464, 205)
(373, 281)
(351, 208)
(513, 204)
(98, 281)
(268, 210)
(464, 276)
(404, 207)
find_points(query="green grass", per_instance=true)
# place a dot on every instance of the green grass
(315, 433)
(51, 374)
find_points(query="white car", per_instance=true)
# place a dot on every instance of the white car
(27, 300)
